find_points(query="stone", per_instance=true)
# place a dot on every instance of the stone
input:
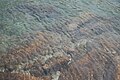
(59, 40)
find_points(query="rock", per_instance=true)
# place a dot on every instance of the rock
(59, 40)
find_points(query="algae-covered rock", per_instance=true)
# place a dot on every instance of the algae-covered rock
(59, 39)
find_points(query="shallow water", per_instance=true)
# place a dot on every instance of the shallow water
(60, 39)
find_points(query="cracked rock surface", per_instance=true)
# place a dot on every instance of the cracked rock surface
(59, 40)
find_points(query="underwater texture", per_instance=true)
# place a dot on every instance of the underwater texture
(59, 39)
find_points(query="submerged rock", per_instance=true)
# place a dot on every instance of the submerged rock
(59, 40)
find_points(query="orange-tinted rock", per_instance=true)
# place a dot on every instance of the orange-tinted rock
(60, 40)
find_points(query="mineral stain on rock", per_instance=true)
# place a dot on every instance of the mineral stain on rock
(59, 40)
